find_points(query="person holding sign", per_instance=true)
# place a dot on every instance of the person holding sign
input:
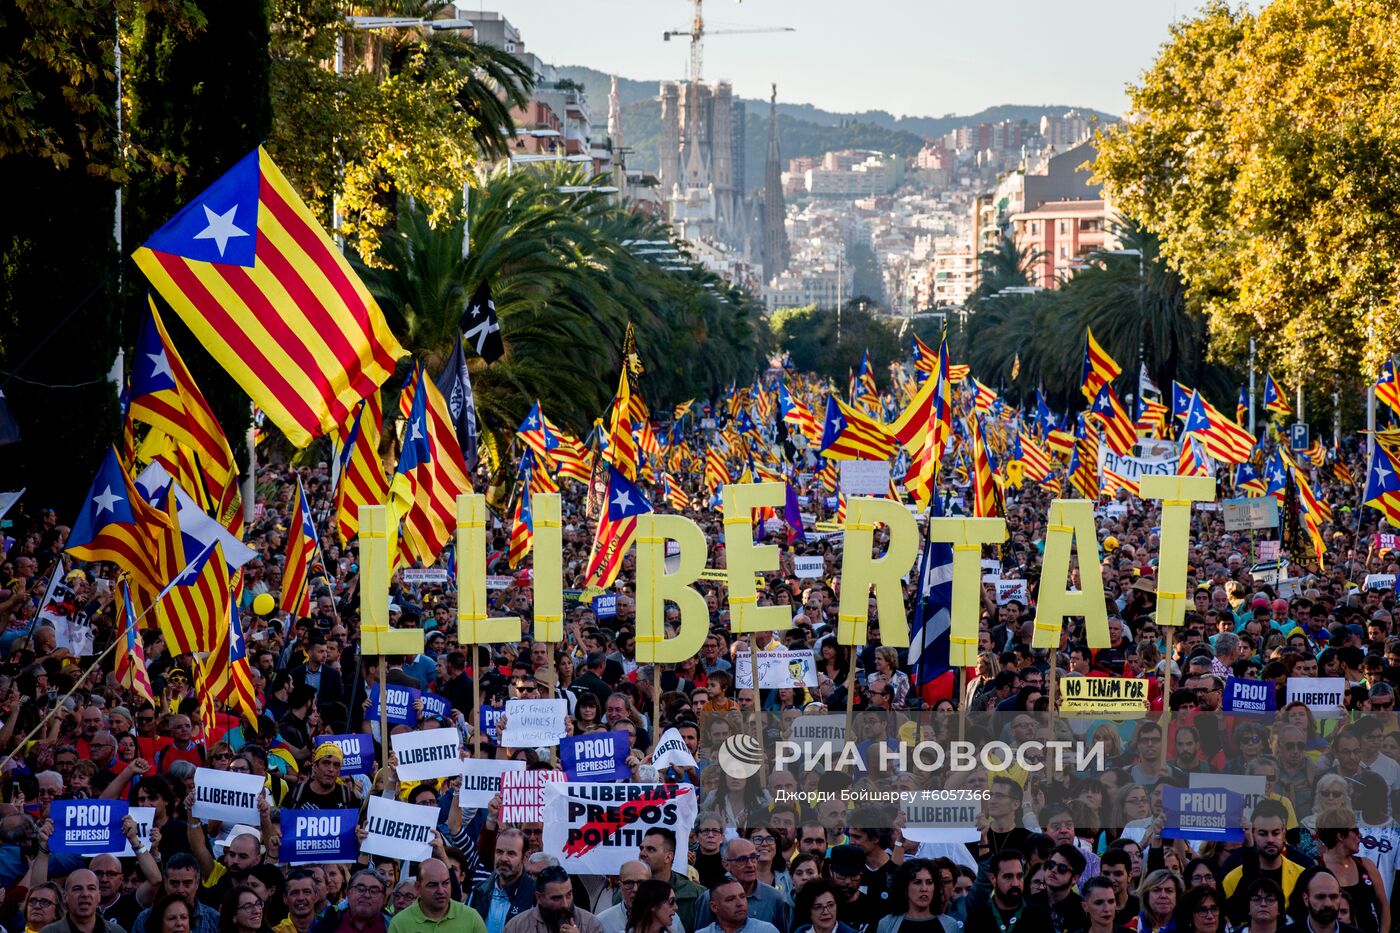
(325, 790)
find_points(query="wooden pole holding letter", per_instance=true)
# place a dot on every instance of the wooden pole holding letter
(376, 637)
(473, 626)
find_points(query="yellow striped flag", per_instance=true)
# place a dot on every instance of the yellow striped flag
(848, 434)
(360, 476)
(191, 605)
(226, 674)
(436, 483)
(261, 285)
(1098, 368)
(301, 550)
(984, 490)
(622, 449)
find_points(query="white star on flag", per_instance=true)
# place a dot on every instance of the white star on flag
(623, 501)
(1381, 472)
(107, 501)
(160, 363)
(220, 228)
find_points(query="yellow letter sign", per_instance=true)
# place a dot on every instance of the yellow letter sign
(746, 560)
(1070, 524)
(655, 587)
(860, 571)
(1177, 493)
(966, 535)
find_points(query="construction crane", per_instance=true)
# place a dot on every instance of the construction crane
(697, 33)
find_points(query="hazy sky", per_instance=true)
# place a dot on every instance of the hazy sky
(922, 57)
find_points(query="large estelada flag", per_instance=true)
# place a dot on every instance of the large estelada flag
(261, 285)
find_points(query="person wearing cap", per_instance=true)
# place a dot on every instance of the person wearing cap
(325, 790)
(366, 906)
(845, 867)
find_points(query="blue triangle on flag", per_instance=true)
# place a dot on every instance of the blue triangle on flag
(220, 224)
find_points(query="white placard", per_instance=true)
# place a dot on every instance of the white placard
(595, 828)
(522, 794)
(671, 751)
(1379, 581)
(399, 830)
(992, 565)
(431, 753)
(776, 669)
(481, 779)
(227, 796)
(811, 567)
(941, 821)
(865, 477)
(534, 723)
(425, 575)
(1007, 590)
(1323, 695)
(499, 582)
(144, 817)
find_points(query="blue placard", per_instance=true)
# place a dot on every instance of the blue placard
(597, 756)
(1203, 813)
(87, 827)
(490, 715)
(605, 606)
(832, 502)
(357, 749)
(401, 711)
(319, 836)
(1249, 696)
(434, 705)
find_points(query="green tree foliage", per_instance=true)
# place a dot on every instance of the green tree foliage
(1263, 150)
(410, 114)
(565, 288)
(809, 335)
(1133, 306)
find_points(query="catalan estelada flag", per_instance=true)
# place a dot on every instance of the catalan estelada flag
(622, 448)
(1248, 480)
(867, 395)
(984, 490)
(1098, 368)
(261, 285)
(164, 395)
(227, 677)
(617, 526)
(1192, 461)
(848, 434)
(191, 608)
(117, 525)
(1388, 387)
(797, 415)
(1151, 418)
(1035, 459)
(301, 550)
(531, 430)
(1242, 406)
(925, 360)
(1274, 399)
(1084, 461)
(436, 484)
(1383, 485)
(522, 525)
(933, 400)
(1118, 428)
(131, 654)
(570, 458)
(1221, 437)
(360, 476)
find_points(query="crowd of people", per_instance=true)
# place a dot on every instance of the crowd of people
(1056, 848)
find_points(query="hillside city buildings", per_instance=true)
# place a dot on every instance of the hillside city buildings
(902, 231)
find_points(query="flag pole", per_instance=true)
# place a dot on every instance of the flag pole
(1167, 694)
(476, 691)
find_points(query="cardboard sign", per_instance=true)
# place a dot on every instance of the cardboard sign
(1379, 581)
(522, 794)
(1323, 695)
(432, 753)
(87, 827)
(1135, 468)
(811, 567)
(672, 752)
(1202, 813)
(1270, 550)
(1249, 697)
(1250, 514)
(534, 723)
(942, 820)
(776, 669)
(605, 607)
(489, 717)
(1388, 541)
(496, 582)
(817, 732)
(1109, 697)
(417, 575)
(357, 751)
(399, 830)
(595, 828)
(401, 709)
(319, 837)
(1009, 590)
(144, 818)
(436, 706)
(865, 477)
(227, 796)
(1250, 787)
(481, 779)
(597, 756)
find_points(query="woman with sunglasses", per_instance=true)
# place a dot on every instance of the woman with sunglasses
(43, 906)
(653, 908)
(1358, 876)
(815, 909)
